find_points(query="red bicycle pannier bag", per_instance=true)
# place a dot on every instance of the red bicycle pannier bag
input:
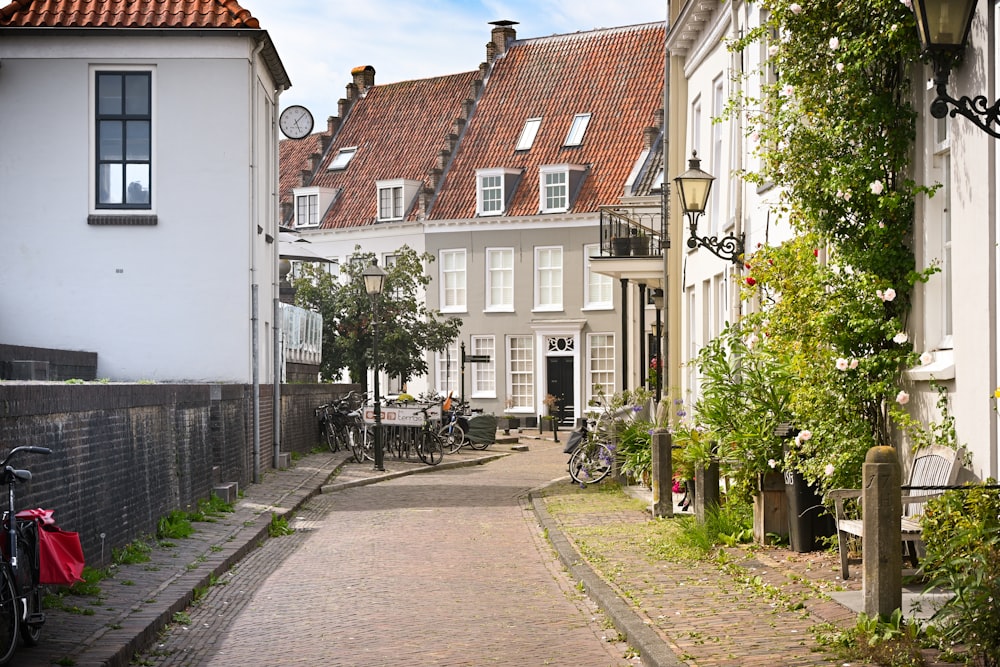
(60, 555)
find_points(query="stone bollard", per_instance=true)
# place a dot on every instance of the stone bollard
(706, 488)
(882, 552)
(662, 473)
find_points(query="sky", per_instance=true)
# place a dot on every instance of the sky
(321, 41)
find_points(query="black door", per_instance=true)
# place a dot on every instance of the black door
(559, 375)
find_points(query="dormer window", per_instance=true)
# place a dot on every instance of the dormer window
(494, 190)
(394, 198)
(577, 129)
(558, 185)
(527, 138)
(311, 204)
(342, 158)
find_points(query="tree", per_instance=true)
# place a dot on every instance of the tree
(407, 328)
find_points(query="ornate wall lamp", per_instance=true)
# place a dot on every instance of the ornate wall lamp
(943, 28)
(693, 187)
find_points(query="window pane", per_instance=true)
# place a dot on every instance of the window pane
(137, 140)
(397, 202)
(521, 375)
(527, 138)
(602, 364)
(555, 190)
(110, 140)
(137, 176)
(500, 277)
(484, 374)
(109, 187)
(492, 194)
(109, 94)
(137, 94)
(578, 129)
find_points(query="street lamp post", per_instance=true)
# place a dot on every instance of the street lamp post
(374, 279)
(943, 28)
(693, 187)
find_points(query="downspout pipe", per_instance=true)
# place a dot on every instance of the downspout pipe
(254, 286)
(278, 362)
(736, 305)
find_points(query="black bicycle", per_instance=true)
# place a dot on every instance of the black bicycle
(20, 592)
(342, 424)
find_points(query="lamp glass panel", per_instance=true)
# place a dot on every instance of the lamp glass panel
(944, 23)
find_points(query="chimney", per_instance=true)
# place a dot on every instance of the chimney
(305, 176)
(442, 159)
(332, 123)
(500, 37)
(342, 107)
(467, 106)
(364, 77)
(649, 136)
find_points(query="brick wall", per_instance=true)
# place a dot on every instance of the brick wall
(125, 455)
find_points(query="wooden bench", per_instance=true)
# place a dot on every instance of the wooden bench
(932, 466)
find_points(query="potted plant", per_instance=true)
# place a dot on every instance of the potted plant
(620, 246)
(548, 420)
(639, 243)
(507, 422)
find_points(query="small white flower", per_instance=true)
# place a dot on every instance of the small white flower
(889, 294)
(902, 398)
(772, 463)
(907, 3)
(881, 225)
(796, 8)
(829, 469)
(926, 358)
(842, 364)
(900, 338)
(805, 435)
(834, 43)
(877, 187)
(839, 67)
(772, 50)
(854, 364)
(788, 90)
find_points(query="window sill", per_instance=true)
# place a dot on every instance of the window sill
(598, 307)
(483, 394)
(941, 368)
(123, 219)
(504, 309)
(547, 309)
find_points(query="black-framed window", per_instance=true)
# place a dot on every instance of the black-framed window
(124, 140)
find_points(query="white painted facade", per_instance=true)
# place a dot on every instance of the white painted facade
(170, 301)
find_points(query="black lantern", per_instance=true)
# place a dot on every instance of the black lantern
(943, 28)
(694, 186)
(374, 278)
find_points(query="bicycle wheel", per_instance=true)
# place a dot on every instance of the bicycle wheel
(430, 449)
(452, 436)
(365, 445)
(31, 627)
(591, 463)
(9, 622)
(330, 435)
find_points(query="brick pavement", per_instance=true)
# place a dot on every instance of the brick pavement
(704, 614)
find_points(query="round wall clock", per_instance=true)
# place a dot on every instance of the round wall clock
(296, 122)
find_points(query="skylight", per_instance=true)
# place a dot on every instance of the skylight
(343, 157)
(577, 129)
(527, 138)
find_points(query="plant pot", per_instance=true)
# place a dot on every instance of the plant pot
(620, 247)
(639, 246)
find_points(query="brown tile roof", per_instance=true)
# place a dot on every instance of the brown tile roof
(294, 157)
(399, 130)
(614, 74)
(126, 14)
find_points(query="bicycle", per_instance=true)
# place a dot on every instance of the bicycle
(343, 426)
(430, 446)
(591, 458)
(20, 592)
(453, 431)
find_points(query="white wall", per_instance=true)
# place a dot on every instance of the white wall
(164, 302)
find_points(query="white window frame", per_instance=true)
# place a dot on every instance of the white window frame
(600, 364)
(395, 201)
(484, 374)
(577, 130)
(308, 204)
(596, 285)
(548, 194)
(528, 133)
(448, 364)
(505, 187)
(718, 153)
(520, 374)
(343, 158)
(499, 279)
(453, 273)
(548, 278)
(113, 209)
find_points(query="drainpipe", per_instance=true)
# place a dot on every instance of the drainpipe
(254, 287)
(277, 363)
(624, 283)
(735, 305)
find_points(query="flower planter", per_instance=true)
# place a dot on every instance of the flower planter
(639, 246)
(620, 247)
(507, 423)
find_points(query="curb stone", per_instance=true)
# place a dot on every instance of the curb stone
(654, 650)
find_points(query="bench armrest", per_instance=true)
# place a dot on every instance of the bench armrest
(839, 496)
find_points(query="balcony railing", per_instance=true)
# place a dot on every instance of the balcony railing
(632, 231)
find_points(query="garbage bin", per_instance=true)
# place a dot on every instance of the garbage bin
(808, 519)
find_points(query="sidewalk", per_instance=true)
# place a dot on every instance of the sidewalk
(140, 600)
